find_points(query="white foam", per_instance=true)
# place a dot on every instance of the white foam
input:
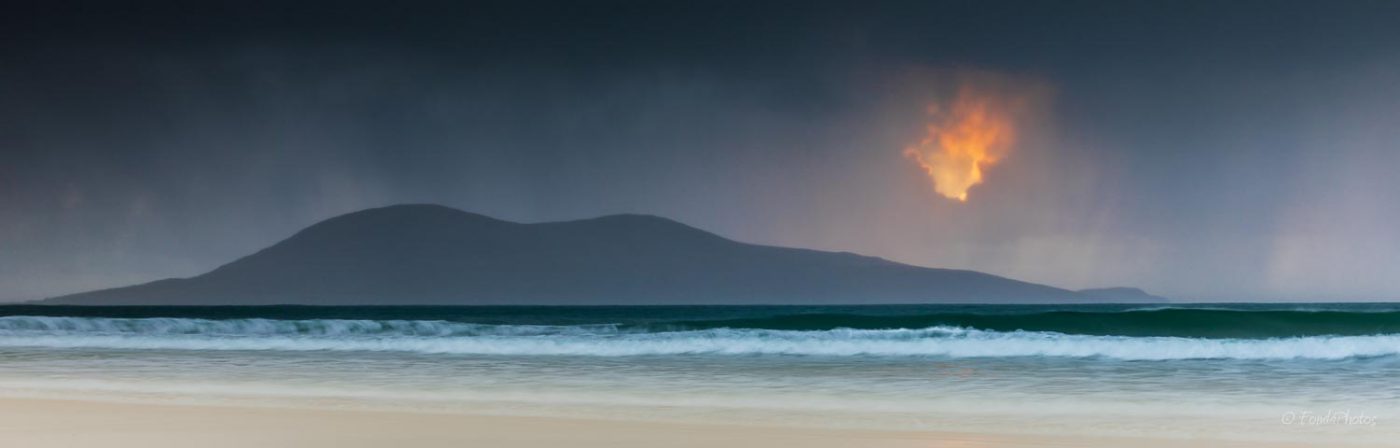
(440, 337)
(272, 327)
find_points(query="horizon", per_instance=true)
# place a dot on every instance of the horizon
(1197, 151)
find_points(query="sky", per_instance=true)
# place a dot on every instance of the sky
(1243, 150)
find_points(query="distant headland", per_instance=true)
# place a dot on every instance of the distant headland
(434, 255)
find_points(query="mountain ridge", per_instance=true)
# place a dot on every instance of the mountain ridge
(427, 254)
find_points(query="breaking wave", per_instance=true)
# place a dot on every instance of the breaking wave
(456, 338)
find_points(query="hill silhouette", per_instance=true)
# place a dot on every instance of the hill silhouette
(435, 255)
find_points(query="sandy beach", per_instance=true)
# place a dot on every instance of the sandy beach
(46, 423)
(350, 377)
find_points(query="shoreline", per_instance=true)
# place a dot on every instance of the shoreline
(53, 423)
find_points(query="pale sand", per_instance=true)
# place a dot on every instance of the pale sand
(43, 423)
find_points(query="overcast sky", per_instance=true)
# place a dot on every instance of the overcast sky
(1209, 150)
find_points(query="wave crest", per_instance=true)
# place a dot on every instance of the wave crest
(453, 338)
(19, 325)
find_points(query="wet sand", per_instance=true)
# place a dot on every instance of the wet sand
(48, 423)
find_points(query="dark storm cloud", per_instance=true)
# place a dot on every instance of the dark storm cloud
(152, 139)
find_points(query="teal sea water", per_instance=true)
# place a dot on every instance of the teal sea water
(1297, 371)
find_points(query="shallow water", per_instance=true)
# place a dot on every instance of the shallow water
(1099, 369)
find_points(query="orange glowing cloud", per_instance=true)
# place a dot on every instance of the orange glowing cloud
(964, 138)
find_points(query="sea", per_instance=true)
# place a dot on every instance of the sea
(1328, 373)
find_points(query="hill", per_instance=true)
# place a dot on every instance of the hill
(435, 255)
